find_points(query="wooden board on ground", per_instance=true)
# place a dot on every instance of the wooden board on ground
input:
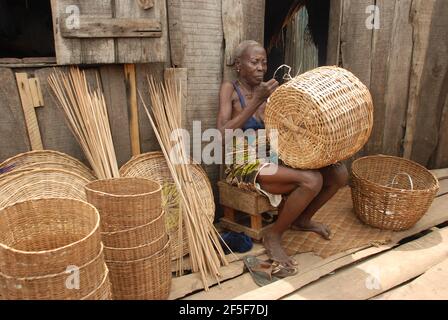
(432, 285)
(378, 274)
(244, 283)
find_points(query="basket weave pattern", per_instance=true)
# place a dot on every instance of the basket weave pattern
(135, 238)
(40, 239)
(322, 116)
(153, 166)
(391, 193)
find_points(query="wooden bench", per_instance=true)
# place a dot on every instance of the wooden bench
(239, 205)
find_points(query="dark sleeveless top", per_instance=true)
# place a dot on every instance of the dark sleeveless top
(252, 122)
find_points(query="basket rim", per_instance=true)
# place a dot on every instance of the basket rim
(99, 256)
(111, 195)
(22, 172)
(435, 187)
(138, 247)
(35, 152)
(165, 248)
(103, 282)
(33, 253)
(135, 228)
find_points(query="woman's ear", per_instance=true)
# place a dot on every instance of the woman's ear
(237, 65)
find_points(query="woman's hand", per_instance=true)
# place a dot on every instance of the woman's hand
(265, 89)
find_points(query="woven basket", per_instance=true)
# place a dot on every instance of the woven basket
(48, 159)
(391, 193)
(125, 203)
(136, 253)
(44, 183)
(103, 292)
(322, 116)
(153, 166)
(145, 279)
(136, 237)
(40, 239)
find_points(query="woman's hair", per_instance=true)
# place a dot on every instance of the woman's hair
(244, 46)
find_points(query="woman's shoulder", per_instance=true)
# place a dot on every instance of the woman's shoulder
(227, 85)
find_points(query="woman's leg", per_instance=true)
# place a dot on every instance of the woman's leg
(302, 186)
(334, 178)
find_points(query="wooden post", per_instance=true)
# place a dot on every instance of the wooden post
(131, 93)
(31, 122)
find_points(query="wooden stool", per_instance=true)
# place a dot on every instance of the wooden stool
(235, 200)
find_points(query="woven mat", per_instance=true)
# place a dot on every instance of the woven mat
(348, 231)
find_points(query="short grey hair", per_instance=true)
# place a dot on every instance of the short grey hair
(244, 46)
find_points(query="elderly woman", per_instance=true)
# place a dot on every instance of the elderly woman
(299, 194)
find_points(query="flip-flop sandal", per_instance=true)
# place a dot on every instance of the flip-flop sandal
(281, 271)
(261, 271)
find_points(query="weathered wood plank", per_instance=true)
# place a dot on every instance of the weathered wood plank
(114, 88)
(32, 125)
(334, 32)
(147, 49)
(441, 157)
(397, 84)
(233, 29)
(376, 275)
(113, 28)
(421, 14)
(433, 87)
(432, 285)
(77, 51)
(148, 140)
(12, 122)
(56, 134)
(380, 52)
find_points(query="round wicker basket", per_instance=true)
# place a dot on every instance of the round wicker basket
(391, 193)
(125, 203)
(103, 292)
(44, 183)
(153, 166)
(136, 253)
(322, 116)
(40, 239)
(145, 279)
(48, 159)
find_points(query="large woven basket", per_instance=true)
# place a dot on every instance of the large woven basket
(322, 116)
(136, 253)
(41, 239)
(153, 166)
(125, 203)
(44, 183)
(145, 279)
(391, 193)
(103, 292)
(48, 159)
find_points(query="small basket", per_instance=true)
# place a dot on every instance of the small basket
(48, 159)
(137, 236)
(153, 166)
(322, 116)
(391, 193)
(145, 279)
(43, 183)
(40, 238)
(125, 203)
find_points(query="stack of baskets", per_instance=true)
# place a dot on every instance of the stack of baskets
(51, 249)
(154, 166)
(137, 247)
(391, 193)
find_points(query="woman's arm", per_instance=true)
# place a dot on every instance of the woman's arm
(225, 120)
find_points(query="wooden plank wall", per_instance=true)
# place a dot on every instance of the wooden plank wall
(405, 65)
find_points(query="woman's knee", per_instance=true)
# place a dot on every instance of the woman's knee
(339, 176)
(312, 181)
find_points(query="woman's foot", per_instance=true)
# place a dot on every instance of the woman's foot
(311, 226)
(272, 243)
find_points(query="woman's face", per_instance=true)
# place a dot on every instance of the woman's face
(253, 65)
